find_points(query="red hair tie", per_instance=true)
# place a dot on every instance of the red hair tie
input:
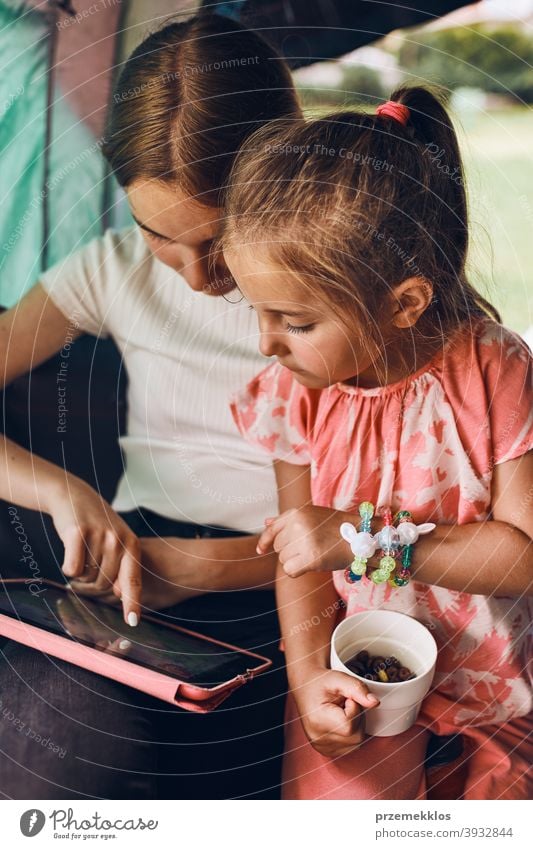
(392, 109)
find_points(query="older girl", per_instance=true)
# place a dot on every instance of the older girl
(192, 496)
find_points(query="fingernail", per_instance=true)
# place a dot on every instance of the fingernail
(133, 619)
(372, 698)
(125, 644)
(259, 550)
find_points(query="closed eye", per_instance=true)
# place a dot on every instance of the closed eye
(305, 328)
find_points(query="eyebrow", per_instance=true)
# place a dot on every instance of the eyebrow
(149, 229)
(292, 313)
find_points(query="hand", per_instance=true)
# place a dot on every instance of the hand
(95, 536)
(307, 540)
(167, 570)
(329, 704)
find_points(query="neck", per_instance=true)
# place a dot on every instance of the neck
(400, 358)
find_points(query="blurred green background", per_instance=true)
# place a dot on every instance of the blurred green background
(487, 70)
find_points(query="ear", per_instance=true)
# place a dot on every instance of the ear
(426, 528)
(348, 532)
(411, 298)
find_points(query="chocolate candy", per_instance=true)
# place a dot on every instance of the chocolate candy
(405, 674)
(378, 668)
(356, 667)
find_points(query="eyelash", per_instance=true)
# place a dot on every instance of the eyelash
(304, 329)
(291, 328)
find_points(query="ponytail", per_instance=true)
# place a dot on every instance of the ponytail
(431, 128)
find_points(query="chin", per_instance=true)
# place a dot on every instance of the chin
(309, 380)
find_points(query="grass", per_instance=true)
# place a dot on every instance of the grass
(498, 154)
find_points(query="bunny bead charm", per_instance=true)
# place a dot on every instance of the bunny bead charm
(408, 534)
(396, 544)
(361, 542)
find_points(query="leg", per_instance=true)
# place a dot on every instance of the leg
(66, 733)
(499, 760)
(236, 750)
(384, 767)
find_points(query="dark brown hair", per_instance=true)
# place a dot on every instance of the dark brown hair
(356, 203)
(186, 99)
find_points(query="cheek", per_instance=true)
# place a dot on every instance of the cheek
(167, 254)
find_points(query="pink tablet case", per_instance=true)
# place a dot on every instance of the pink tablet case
(169, 689)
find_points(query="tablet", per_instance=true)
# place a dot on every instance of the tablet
(166, 661)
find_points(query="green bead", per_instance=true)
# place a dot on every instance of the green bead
(366, 510)
(402, 514)
(358, 567)
(380, 577)
(401, 582)
(407, 556)
(387, 564)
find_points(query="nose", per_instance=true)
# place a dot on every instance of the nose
(270, 344)
(196, 272)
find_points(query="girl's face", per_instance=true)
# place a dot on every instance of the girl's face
(180, 232)
(306, 337)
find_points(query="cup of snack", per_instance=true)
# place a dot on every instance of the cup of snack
(395, 656)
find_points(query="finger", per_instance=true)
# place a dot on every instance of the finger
(130, 583)
(75, 553)
(266, 540)
(351, 709)
(332, 720)
(112, 552)
(295, 566)
(352, 688)
(275, 525)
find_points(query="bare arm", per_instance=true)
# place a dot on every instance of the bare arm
(30, 333)
(493, 557)
(92, 533)
(312, 595)
(176, 568)
(329, 702)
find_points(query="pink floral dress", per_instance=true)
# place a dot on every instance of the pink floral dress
(428, 444)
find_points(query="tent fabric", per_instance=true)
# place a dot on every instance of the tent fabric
(59, 61)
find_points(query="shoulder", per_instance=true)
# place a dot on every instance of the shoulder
(273, 412)
(484, 352)
(488, 378)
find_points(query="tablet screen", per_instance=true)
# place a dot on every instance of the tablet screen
(155, 646)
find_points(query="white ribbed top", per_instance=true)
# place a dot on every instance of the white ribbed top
(185, 354)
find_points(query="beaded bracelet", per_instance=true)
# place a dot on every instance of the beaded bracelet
(396, 544)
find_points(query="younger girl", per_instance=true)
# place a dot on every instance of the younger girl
(394, 383)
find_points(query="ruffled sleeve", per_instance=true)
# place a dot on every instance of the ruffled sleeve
(507, 365)
(272, 413)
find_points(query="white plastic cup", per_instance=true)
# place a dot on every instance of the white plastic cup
(386, 633)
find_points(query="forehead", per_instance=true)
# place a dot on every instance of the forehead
(261, 280)
(169, 211)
